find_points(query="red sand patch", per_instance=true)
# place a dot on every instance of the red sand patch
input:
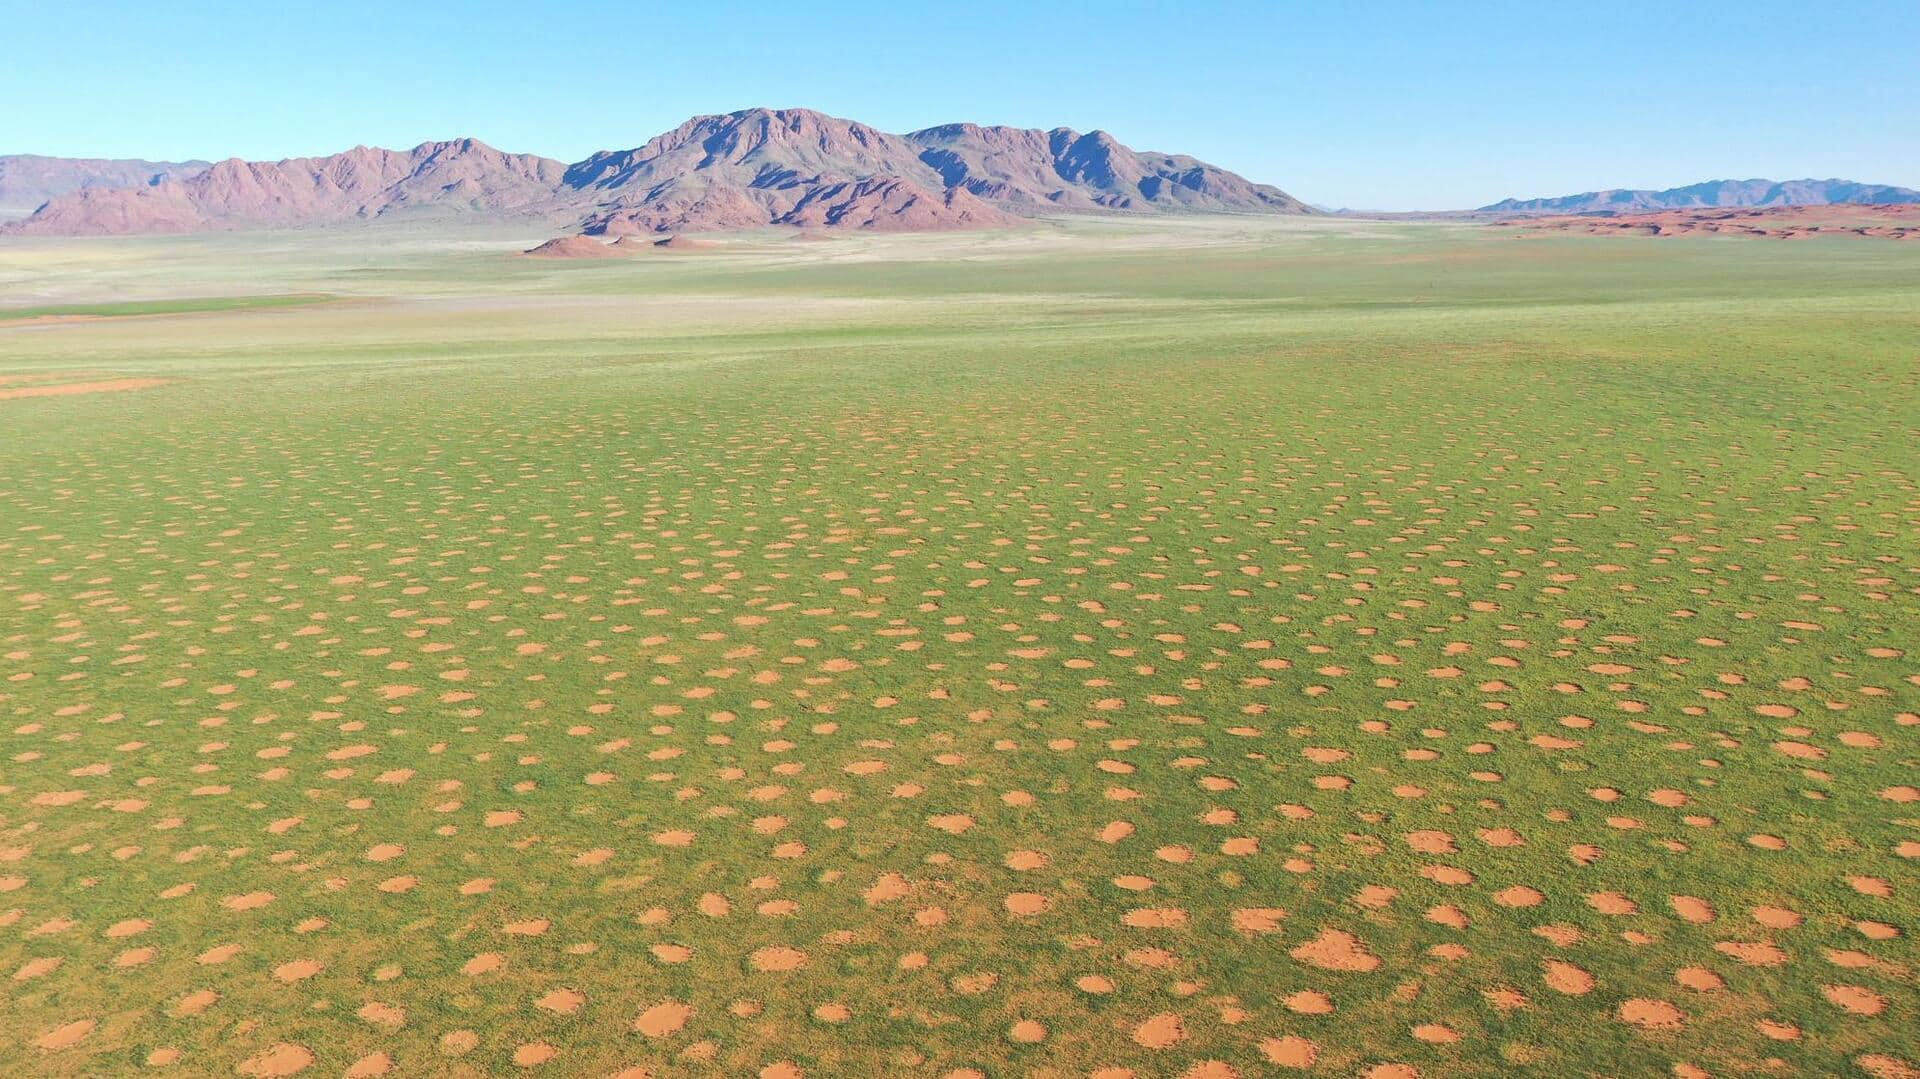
(1375, 896)
(1777, 1030)
(282, 1059)
(65, 1037)
(1651, 1014)
(1290, 1051)
(1612, 903)
(534, 1054)
(1154, 918)
(1855, 999)
(34, 968)
(297, 970)
(1567, 978)
(561, 1001)
(1025, 904)
(1027, 860)
(1698, 911)
(1160, 1031)
(951, 823)
(196, 1002)
(111, 385)
(1309, 1002)
(1884, 1066)
(663, 1020)
(1518, 896)
(1505, 998)
(385, 1015)
(1334, 949)
(888, 887)
(779, 957)
(368, 1066)
(1753, 953)
(1698, 978)
(484, 963)
(1254, 920)
(217, 954)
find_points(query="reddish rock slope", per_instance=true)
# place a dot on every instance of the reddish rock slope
(574, 247)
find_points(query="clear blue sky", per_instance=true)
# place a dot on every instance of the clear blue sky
(1374, 105)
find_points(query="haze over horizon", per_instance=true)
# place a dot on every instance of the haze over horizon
(1392, 106)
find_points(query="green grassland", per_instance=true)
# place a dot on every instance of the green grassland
(185, 306)
(1197, 649)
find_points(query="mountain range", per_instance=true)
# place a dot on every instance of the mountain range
(745, 169)
(1715, 194)
(27, 180)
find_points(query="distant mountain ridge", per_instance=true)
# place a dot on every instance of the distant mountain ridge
(745, 169)
(362, 182)
(1715, 194)
(1887, 221)
(27, 180)
(770, 167)
(1064, 168)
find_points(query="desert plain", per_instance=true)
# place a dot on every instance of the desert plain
(1208, 647)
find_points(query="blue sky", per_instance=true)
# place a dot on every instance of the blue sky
(1374, 105)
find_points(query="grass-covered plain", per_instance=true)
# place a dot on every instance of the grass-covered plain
(1204, 650)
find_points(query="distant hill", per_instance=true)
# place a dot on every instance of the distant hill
(27, 180)
(1066, 169)
(1892, 221)
(770, 167)
(462, 174)
(1715, 194)
(745, 169)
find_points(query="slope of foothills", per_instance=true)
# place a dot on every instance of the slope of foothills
(746, 169)
(1139, 647)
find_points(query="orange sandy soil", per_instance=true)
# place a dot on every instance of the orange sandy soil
(111, 385)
